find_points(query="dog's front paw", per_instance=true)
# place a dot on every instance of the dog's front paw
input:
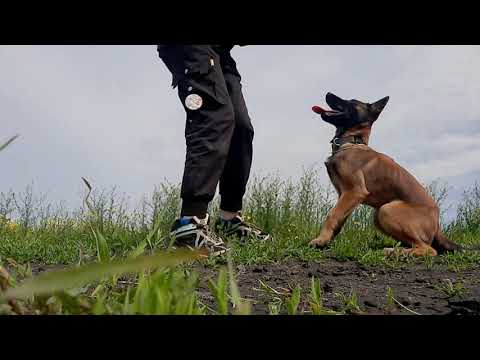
(318, 243)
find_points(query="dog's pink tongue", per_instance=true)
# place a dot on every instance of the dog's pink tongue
(319, 110)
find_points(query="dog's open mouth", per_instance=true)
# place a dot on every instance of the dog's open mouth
(319, 110)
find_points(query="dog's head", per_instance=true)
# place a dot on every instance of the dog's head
(349, 113)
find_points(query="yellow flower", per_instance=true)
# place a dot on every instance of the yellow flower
(11, 226)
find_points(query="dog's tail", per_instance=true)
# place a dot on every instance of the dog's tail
(442, 244)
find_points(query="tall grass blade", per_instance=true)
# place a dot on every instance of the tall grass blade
(219, 292)
(293, 302)
(51, 282)
(240, 307)
(12, 139)
(103, 251)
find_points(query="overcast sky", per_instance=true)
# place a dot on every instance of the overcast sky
(108, 113)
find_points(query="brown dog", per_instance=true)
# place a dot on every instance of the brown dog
(403, 208)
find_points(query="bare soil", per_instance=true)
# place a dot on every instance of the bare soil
(416, 288)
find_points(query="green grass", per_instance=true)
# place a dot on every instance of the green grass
(451, 288)
(106, 229)
(349, 302)
(293, 212)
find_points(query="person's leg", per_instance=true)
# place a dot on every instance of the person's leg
(208, 132)
(209, 128)
(236, 172)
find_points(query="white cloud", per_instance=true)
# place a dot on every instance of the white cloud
(109, 113)
(451, 166)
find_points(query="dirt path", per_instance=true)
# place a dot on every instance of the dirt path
(416, 288)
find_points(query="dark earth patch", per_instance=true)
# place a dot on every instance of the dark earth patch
(419, 290)
(436, 291)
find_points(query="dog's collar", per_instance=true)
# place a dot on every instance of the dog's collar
(338, 142)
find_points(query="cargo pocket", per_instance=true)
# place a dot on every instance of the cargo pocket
(203, 78)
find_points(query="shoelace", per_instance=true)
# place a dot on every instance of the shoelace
(250, 225)
(211, 237)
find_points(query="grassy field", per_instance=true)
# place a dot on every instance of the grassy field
(105, 230)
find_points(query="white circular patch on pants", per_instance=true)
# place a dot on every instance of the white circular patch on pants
(193, 102)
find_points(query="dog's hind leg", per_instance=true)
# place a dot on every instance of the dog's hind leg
(410, 224)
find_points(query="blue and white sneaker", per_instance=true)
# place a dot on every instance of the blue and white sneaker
(194, 233)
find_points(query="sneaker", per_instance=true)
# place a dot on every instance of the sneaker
(240, 228)
(194, 233)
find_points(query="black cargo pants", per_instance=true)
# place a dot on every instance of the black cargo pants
(219, 134)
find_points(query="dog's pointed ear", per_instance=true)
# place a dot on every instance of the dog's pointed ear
(377, 107)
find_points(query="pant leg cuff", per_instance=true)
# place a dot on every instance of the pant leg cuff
(194, 208)
(231, 205)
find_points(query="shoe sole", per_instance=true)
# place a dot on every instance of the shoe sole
(210, 253)
(243, 238)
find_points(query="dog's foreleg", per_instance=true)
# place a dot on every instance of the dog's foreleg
(347, 202)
